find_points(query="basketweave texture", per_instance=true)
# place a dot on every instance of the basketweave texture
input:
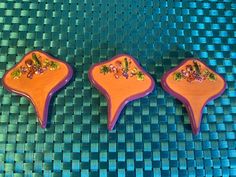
(153, 135)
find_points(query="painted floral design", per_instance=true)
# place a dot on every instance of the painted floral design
(122, 69)
(34, 65)
(194, 72)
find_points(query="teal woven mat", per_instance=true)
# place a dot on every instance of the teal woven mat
(153, 136)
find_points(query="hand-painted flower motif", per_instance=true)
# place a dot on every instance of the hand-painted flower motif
(34, 65)
(194, 84)
(120, 79)
(122, 69)
(37, 77)
(194, 73)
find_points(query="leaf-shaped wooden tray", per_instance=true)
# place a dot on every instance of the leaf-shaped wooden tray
(194, 84)
(121, 79)
(38, 76)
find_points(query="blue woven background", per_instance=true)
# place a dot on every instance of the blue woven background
(153, 136)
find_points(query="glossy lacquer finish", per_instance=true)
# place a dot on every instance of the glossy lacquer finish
(121, 79)
(194, 84)
(38, 76)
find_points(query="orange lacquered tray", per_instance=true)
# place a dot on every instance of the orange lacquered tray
(194, 84)
(38, 76)
(121, 79)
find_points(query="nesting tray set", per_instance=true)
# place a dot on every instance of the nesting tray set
(121, 79)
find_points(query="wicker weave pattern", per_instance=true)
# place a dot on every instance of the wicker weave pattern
(153, 136)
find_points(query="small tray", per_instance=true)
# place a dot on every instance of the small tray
(37, 77)
(121, 79)
(194, 84)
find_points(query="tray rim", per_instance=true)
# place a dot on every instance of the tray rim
(181, 98)
(61, 84)
(128, 99)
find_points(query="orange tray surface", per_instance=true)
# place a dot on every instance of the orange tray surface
(38, 76)
(121, 80)
(194, 84)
